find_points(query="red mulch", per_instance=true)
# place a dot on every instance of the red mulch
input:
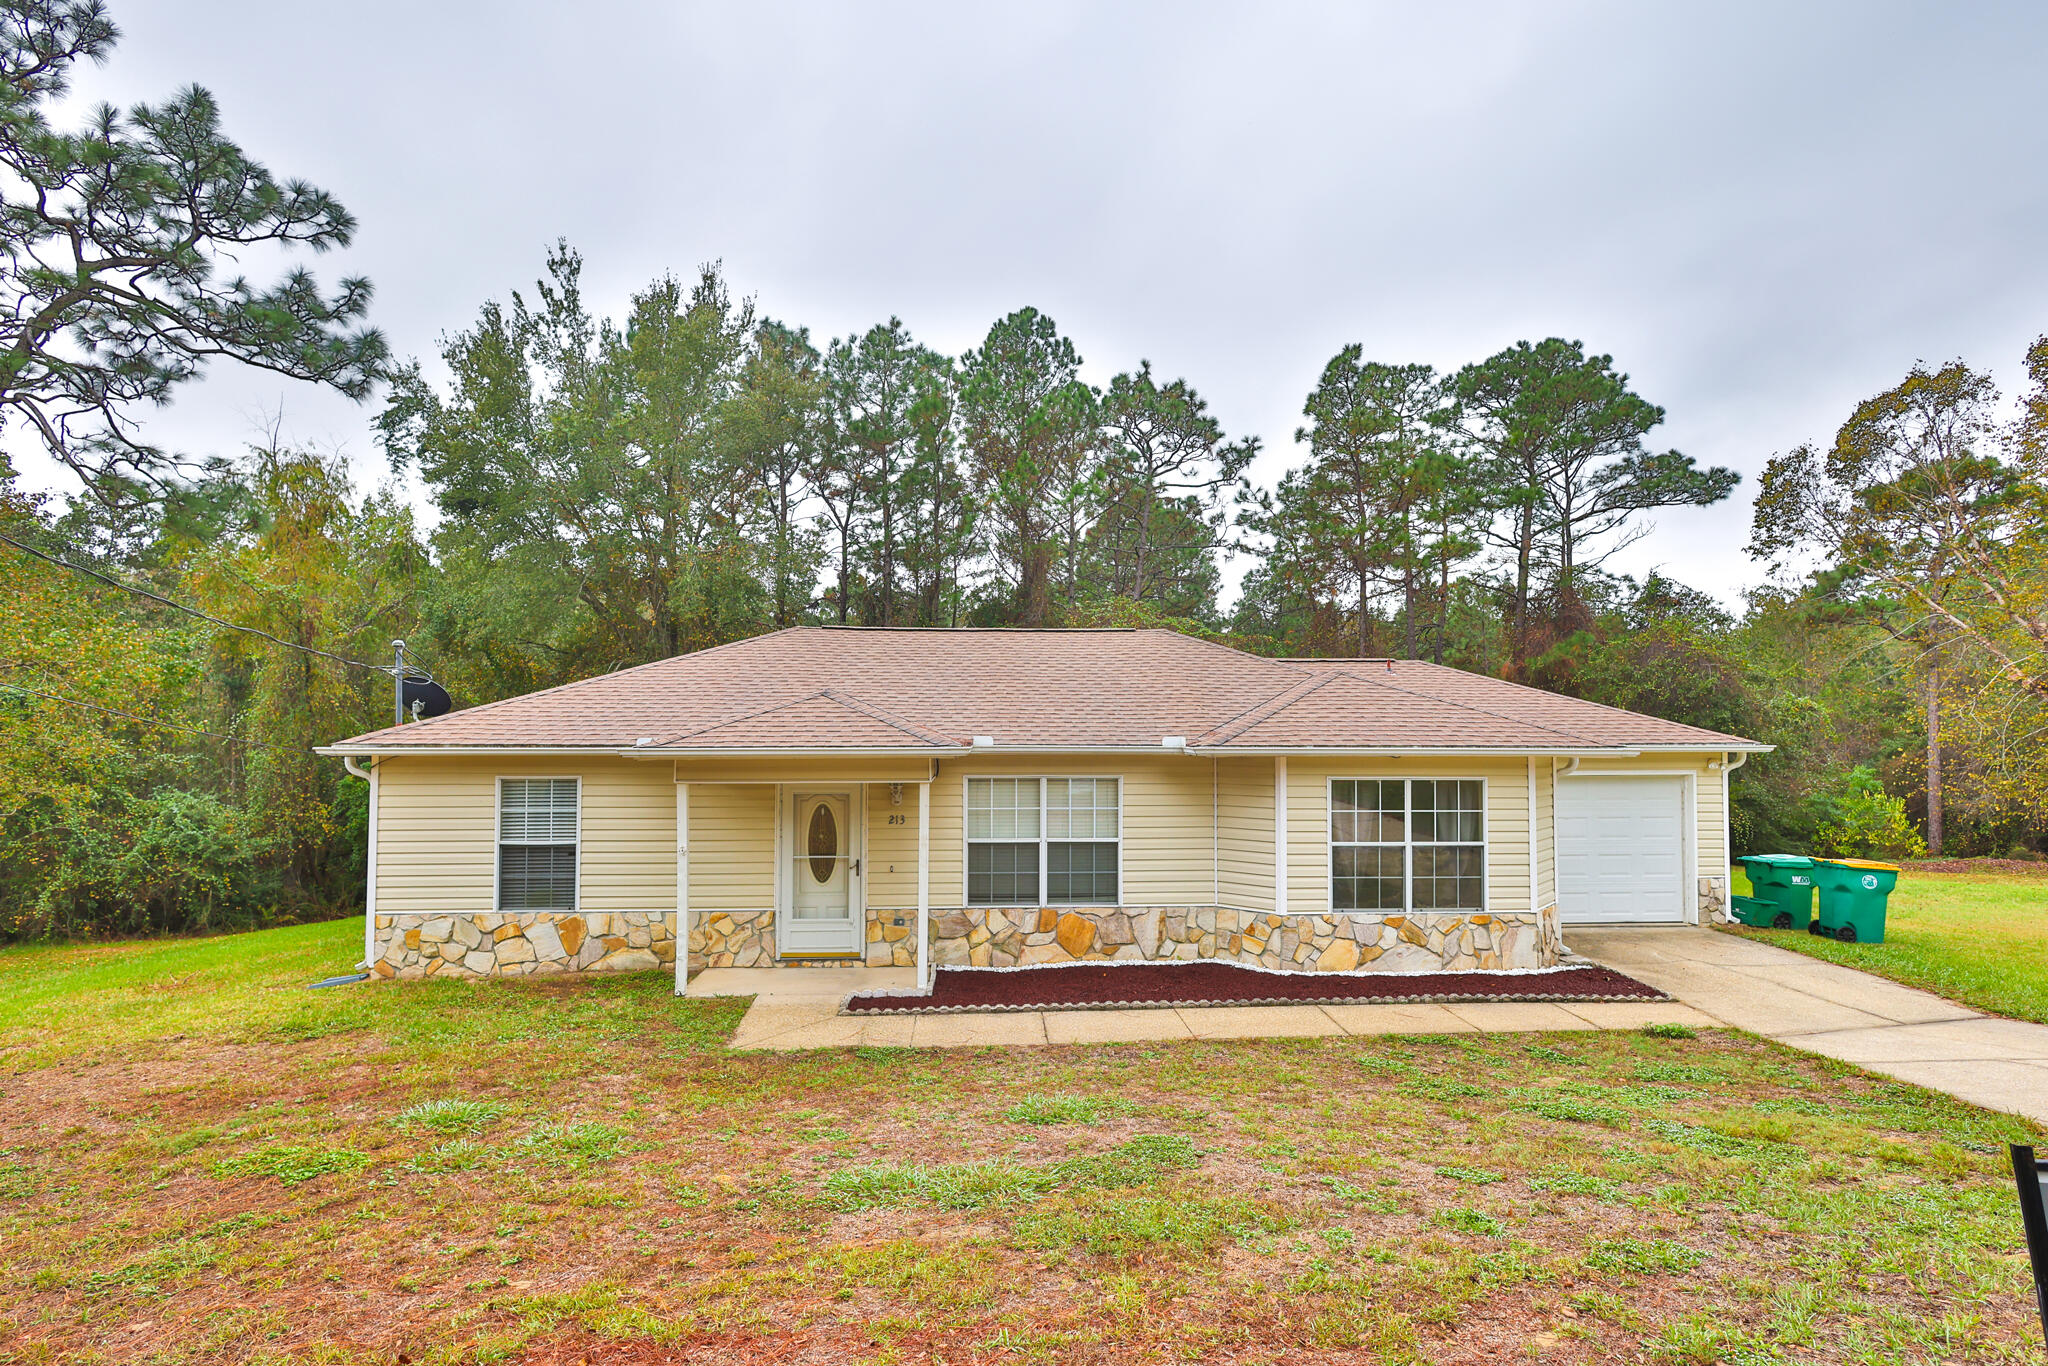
(1212, 984)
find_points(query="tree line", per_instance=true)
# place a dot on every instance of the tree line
(177, 633)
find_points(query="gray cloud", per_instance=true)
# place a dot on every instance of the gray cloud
(1764, 212)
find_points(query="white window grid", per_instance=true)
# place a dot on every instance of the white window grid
(1468, 828)
(1047, 811)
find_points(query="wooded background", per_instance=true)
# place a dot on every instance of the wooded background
(177, 632)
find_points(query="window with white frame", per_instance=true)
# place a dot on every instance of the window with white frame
(537, 837)
(1042, 841)
(1408, 844)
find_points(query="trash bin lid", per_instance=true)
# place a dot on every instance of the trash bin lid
(1863, 863)
(1778, 860)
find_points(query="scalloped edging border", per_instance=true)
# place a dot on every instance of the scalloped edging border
(1425, 998)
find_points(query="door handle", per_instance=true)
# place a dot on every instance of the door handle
(856, 867)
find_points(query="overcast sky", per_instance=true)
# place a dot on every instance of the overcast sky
(1763, 212)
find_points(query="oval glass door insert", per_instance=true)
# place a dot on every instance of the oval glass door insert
(824, 842)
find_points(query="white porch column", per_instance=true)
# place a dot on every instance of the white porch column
(370, 881)
(1280, 835)
(924, 883)
(682, 886)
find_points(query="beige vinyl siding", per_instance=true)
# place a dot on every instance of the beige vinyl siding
(892, 849)
(1168, 823)
(1546, 834)
(1709, 824)
(1308, 828)
(1244, 833)
(732, 846)
(437, 832)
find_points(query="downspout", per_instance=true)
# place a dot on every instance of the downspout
(355, 770)
(1728, 813)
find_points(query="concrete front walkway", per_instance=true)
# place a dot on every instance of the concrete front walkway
(799, 1008)
(1836, 1011)
(1719, 979)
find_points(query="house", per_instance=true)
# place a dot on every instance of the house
(1007, 798)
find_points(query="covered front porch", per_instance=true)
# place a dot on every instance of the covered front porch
(804, 863)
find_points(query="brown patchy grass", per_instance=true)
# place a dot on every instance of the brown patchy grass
(202, 1164)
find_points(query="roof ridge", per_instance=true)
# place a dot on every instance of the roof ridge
(1231, 650)
(889, 718)
(1225, 731)
(1567, 697)
(1483, 711)
(734, 718)
(581, 682)
(987, 630)
(846, 700)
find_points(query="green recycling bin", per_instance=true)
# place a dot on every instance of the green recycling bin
(1782, 891)
(1853, 893)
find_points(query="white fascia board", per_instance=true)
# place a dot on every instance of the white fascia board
(1747, 747)
(633, 752)
(1399, 751)
(921, 752)
(388, 751)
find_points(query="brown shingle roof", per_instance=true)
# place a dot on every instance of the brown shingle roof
(815, 688)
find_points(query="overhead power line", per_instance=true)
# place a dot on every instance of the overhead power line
(148, 720)
(192, 611)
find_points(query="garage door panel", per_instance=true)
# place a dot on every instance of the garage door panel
(1620, 850)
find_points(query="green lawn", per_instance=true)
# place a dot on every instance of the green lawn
(1978, 938)
(202, 1162)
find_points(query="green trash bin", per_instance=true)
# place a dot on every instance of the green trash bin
(1853, 894)
(1782, 891)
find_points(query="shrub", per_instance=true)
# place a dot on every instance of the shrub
(1868, 823)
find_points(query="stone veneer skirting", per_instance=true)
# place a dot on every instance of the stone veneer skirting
(500, 945)
(1714, 901)
(1341, 941)
(511, 945)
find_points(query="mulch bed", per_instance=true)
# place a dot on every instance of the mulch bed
(1083, 986)
(1976, 865)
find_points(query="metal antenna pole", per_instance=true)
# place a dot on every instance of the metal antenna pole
(398, 685)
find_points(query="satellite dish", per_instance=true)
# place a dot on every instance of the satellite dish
(423, 697)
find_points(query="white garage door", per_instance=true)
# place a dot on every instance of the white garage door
(1620, 850)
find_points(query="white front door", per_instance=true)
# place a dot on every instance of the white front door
(821, 875)
(1621, 849)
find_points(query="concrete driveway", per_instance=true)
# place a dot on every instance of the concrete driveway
(1836, 1011)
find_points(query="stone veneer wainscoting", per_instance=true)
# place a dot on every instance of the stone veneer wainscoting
(1714, 901)
(497, 945)
(511, 945)
(1343, 941)
(732, 939)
